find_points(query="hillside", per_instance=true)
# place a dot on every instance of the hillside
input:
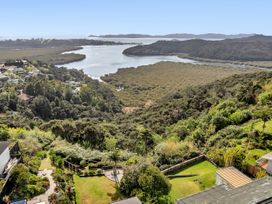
(39, 92)
(254, 48)
(76, 120)
(147, 84)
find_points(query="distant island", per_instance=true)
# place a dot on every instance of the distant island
(253, 48)
(177, 35)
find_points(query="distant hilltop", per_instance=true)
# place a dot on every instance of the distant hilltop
(253, 48)
(177, 35)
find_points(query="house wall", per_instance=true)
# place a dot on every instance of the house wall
(4, 159)
(269, 167)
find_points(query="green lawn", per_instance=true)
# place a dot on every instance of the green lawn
(189, 185)
(93, 190)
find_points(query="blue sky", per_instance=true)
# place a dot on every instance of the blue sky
(82, 17)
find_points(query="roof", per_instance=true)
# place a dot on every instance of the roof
(258, 191)
(267, 156)
(3, 146)
(19, 202)
(233, 176)
(210, 195)
(133, 200)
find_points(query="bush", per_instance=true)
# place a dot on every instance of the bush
(144, 181)
(265, 98)
(41, 154)
(91, 172)
(99, 172)
(240, 117)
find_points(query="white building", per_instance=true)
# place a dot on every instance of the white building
(266, 162)
(4, 156)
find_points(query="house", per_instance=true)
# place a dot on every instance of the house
(255, 192)
(265, 162)
(231, 177)
(4, 156)
(23, 201)
(133, 200)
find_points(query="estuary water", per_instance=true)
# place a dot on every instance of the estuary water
(105, 59)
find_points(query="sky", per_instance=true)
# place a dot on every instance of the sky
(76, 18)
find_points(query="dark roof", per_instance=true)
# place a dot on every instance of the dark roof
(3, 146)
(210, 195)
(133, 200)
(19, 202)
(257, 191)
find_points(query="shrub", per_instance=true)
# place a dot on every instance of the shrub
(265, 98)
(99, 172)
(240, 117)
(91, 172)
(144, 181)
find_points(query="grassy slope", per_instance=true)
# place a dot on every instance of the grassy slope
(151, 82)
(93, 190)
(189, 185)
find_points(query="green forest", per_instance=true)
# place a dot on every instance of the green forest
(77, 120)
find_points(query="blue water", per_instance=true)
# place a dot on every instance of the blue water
(101, 60)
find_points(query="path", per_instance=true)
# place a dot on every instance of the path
(109, 174)
(50, 191)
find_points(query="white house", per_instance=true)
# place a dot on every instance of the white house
(4, 156)
(266, 162)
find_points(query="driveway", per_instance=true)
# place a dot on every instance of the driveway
(44, 197)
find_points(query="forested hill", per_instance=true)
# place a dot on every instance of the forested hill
(47, 43)
(252, 48)
(194, 101)
(41, 92)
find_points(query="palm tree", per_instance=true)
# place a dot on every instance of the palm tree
(115, 157)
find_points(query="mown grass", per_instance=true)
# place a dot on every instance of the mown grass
(93, 190)
(185, 186)
(152, 82)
